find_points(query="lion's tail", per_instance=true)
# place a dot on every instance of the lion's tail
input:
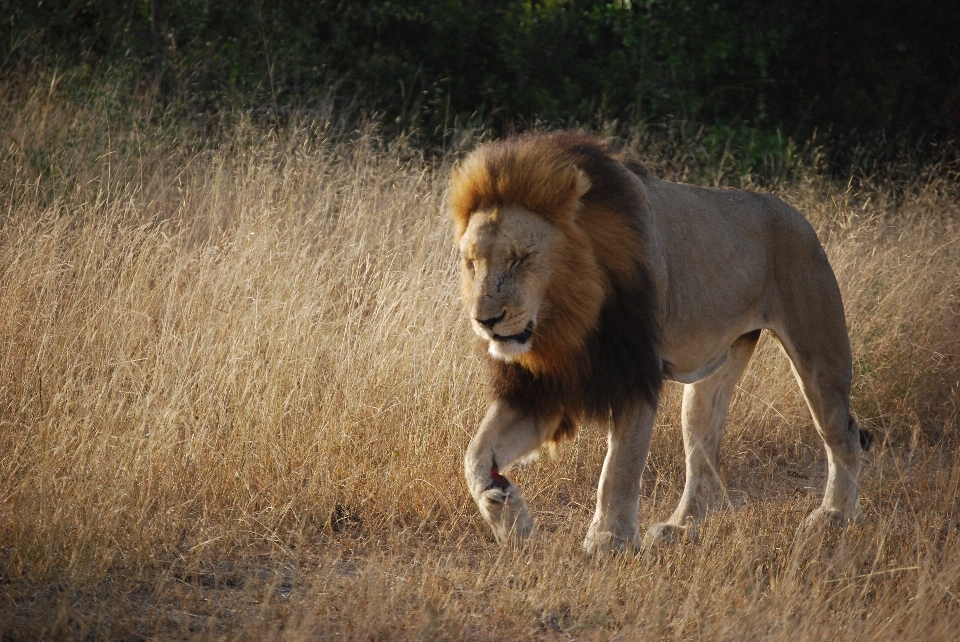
(866, 439)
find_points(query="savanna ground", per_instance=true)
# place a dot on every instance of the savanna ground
(236, 386)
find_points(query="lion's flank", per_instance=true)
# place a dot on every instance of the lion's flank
(580, 365)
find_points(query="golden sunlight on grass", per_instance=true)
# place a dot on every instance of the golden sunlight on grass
(236, 387)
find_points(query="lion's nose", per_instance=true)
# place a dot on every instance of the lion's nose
(492, 321)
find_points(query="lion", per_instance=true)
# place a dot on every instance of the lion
(590, 282)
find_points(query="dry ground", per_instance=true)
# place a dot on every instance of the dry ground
(236, 387)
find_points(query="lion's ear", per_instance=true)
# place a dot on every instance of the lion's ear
(583, 183)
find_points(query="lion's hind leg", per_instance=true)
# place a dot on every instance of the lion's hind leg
(820, 355)
(705, 407)
(841, 436)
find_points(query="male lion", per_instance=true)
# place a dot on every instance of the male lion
(592, 282)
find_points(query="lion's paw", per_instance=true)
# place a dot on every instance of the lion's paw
(665, 534)
(831, 518)
(507, 515)
(600, 543)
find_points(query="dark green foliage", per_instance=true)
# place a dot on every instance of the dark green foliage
(421, 64)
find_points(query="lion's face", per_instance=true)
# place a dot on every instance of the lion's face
(506, 262)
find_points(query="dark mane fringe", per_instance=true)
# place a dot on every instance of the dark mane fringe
(619, 363)
(611, 178)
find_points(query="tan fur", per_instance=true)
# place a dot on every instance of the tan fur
(559, 237)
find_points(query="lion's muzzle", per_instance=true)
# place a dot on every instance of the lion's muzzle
(521, 338)
(508, 347)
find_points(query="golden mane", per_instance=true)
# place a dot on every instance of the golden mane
(599, 350)
(534, 173)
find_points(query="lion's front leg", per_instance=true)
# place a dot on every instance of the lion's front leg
(614, 525)
(505, 436)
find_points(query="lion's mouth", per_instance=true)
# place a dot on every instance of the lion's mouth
(521, 338)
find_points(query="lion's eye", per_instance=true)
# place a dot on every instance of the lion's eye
(517, 261)
(469, 264)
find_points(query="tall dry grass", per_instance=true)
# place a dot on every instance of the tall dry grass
(236, 388)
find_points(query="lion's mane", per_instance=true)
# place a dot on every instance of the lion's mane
(587, 360)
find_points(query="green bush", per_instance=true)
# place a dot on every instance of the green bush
(421, 65)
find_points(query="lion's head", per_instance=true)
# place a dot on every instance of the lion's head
(508, 257)
(531, 282)
(553, 270)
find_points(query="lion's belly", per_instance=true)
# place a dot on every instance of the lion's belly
(692, 376)
(691, 356)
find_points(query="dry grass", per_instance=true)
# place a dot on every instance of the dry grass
(236, 388)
